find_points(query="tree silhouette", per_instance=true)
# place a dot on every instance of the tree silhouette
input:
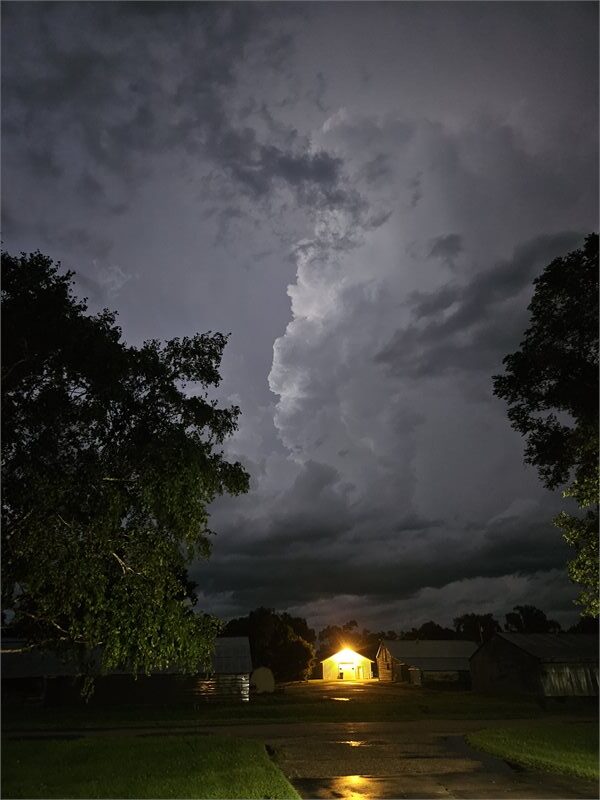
(108, 466)
(276, 643)
(476, 627)
(430, 630)
(529, 619)
(551, 387)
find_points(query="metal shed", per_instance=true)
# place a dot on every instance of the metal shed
(424, 660)
(541, 664)
(43, 677)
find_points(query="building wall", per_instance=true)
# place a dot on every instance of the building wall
(569, 680)
(384, 664)
(155, 690)
(331, 670)
(439, 676)
(23, 691)
(390, 669)
(222, 687)
(501, 668)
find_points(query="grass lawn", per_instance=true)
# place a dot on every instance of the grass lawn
(141, 767)
(570, 748)
(304, 706)
(296, 703)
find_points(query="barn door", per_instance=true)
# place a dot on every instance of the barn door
(347, 672)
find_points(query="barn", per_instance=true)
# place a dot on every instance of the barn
(42, 677)
(540, 664)
(420, 661)
(347, 665)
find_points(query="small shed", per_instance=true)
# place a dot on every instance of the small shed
(421, 661)
(540, 664)
(231, 668)
(43, 677)
(347, 665)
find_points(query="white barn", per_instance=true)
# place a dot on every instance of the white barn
(346, 665)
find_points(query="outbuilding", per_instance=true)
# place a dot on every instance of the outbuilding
(540, 664)
(42, 677)
(347, 665)
(421, 661)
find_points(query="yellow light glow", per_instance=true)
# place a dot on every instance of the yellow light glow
(347, 656)
(353, 787)
(355, 780)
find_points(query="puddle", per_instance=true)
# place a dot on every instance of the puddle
(347, 787)
(342, 699)
(352, 742)
(180, 732)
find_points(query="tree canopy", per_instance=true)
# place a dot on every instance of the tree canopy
(109, 462)
(551, 382)
(430, 630)
(476, 627)
(529, 619)
(551, 387)
(277, 641)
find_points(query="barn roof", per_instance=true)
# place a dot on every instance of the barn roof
(558, 647)
(439, 664)
(231, 656)
(432, 655)
(345, 651)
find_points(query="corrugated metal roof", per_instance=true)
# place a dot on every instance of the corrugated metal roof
(559, 647)
(439, 664)
(406, 649)
(231, 657)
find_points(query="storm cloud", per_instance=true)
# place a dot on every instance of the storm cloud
(363, 195)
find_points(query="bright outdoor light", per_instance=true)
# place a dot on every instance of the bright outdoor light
(346, 665)
(347, 656)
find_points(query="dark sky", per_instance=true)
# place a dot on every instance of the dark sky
(362, 194)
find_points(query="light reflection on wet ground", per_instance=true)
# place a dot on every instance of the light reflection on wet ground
(347, 787)
(412, 764)
(353, 786)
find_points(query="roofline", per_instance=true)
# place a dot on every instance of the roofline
(352, 651)
(541, 659)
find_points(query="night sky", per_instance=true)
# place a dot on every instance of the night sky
(362, 194)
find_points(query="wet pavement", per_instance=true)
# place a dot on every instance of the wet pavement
(426, 758)
(419, 759)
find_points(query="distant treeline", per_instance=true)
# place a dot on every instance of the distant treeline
(293, 650)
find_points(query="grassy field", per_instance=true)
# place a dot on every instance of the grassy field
(569, 748)
(295, 704)
(148, 767)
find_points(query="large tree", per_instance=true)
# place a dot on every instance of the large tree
(108, 464)
(430, 630)
(551, 387)
(476, 627)
(277, 641)
(529, 619)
